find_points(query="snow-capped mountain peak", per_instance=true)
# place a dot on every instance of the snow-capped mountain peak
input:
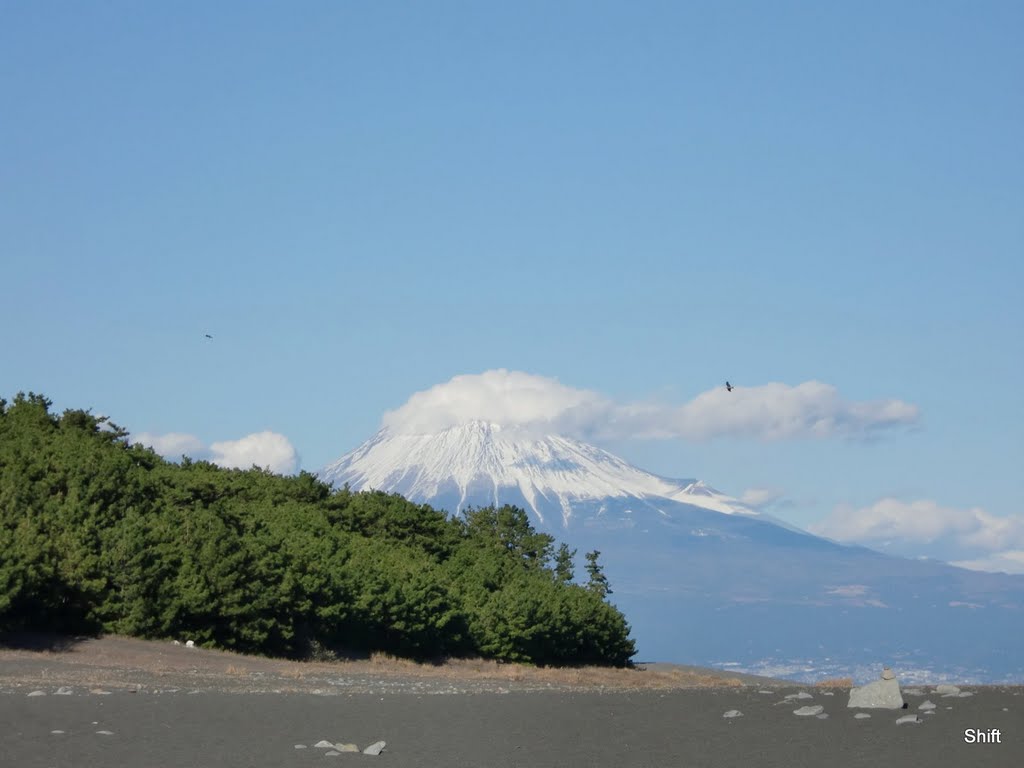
(482, 462)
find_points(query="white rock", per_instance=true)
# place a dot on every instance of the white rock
(324, 744)
(38, 693)
(926, 704)
(346, 747)
(887, 674)
(99, 692)
(374, 749)
(332, 752)
(64, 691)
(766, 691)
(908, 719)
(300, 746)
(816, 709)
(964, 694)
(881, 694)
(861, 716)
(801, 695)
(190, 643)
(944, 689)
(822, 716)
(176, 642)
(733, 713)
(828, 693)
(105, 733)
(56, 731)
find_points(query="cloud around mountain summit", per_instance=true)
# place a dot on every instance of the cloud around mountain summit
(772, 411)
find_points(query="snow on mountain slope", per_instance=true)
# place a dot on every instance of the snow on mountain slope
(483, 462)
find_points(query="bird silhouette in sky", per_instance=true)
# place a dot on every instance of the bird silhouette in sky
(208, 336)
(728, 386)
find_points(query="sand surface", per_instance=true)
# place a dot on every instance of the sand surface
(166, 705)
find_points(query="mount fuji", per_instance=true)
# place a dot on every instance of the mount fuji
(704, 578)
(563, 482)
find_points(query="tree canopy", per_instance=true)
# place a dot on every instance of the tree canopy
(99, 535)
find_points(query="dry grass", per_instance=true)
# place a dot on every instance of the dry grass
(584, 677)
(123, 660)
(835, 682)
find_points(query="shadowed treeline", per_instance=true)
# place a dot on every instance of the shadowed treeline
(97, 535)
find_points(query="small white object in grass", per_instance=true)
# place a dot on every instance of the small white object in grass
(861, 716)
(733, 713)
(332, 752)
(38, 693)
(300, 746)
(56, 731)
(908, 719)
(105, 733)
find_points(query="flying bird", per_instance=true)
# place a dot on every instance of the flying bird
(728, 386)
(208, 336)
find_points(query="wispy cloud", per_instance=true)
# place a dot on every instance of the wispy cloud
(1010, 561)
(811, 410)
(172, 445)
(262, 449)
(761, 497)
(971, 538)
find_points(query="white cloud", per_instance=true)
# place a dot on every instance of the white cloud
(767, 412)
(1011, 561)
(264, 449)
(173, 445)
(500, 396)
(760, 497)
(970, 538)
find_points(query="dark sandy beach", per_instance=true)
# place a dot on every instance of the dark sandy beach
(155, 721)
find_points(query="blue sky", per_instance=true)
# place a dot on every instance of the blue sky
(361, 201)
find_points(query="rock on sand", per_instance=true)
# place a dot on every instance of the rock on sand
(817, 709)
(881, 694)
